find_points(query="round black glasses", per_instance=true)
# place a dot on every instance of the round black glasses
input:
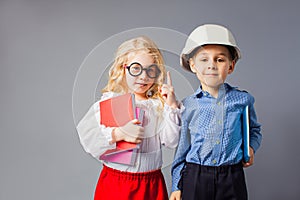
(136, 69)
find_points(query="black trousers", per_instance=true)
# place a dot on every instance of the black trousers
(213, 183)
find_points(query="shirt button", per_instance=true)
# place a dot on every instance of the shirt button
(218, 142)
(214, 161)
(220, 121)
(219, 103)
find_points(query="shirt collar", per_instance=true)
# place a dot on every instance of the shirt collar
(199, 92)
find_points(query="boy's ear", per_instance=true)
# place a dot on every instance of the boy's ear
(192, 65)
(231, 67)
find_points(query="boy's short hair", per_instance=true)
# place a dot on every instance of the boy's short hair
(232, 52)
(208, 34)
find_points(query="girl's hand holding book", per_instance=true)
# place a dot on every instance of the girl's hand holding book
(130, 132)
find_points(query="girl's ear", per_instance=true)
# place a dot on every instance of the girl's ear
(231, 67)
(192, 65)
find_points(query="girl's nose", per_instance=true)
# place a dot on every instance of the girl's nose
(143, 75)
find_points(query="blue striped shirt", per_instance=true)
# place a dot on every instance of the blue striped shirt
(211, 132)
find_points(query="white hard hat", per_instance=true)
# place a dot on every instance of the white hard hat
(207, 34)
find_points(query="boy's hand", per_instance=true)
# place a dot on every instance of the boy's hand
(251, 160)
(176, 195)
(167, 92)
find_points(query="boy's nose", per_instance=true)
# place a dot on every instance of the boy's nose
(211, 65)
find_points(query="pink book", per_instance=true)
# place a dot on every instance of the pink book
(125, 157)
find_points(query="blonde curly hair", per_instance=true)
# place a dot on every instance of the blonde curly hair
(117, 83)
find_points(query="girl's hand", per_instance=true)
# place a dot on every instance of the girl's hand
(130, 132)
(167, 92)
(176, 195)
(251, 160)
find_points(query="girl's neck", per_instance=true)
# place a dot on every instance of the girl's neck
(140, 96)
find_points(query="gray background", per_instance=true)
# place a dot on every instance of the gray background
(43, 43)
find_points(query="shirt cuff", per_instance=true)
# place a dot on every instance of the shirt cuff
(174, 114)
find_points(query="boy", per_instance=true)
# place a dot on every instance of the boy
(208, 162)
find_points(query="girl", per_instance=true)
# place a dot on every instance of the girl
(138, 68)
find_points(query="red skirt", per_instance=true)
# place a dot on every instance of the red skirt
(117, 185)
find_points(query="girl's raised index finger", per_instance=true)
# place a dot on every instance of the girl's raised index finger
(169, 80)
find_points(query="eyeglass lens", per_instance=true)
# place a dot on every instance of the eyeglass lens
(136, 69)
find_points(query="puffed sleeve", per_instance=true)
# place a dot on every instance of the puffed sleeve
(169, 126)
(93, 136)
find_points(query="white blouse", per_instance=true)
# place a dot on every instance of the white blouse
(161, 128)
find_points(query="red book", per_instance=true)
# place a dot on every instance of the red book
(116, 112)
